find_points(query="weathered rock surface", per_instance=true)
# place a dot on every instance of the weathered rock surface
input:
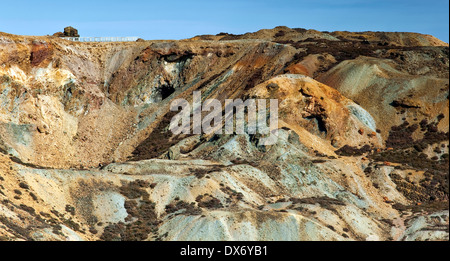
(71, 32)
(361, 154)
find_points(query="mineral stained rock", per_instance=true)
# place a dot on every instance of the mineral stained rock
(361, 150)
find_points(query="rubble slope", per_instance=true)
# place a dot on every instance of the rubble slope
(361, 150)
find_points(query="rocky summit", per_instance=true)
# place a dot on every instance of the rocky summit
(361, 152)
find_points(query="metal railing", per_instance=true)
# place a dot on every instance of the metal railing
(101, 39)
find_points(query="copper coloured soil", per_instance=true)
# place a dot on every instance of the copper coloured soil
(361, 153)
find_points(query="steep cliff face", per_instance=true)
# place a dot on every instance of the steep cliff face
(362, 148)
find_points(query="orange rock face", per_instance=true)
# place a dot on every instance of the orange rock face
(85, 139)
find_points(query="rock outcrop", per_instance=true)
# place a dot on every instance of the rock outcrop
(361, 153)
(71, 32)
(68, 32)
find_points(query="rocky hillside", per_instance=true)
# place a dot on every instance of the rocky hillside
(361, 154)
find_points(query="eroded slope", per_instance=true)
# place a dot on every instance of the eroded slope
(362, 149)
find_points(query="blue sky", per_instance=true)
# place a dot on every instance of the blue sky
(183, 19)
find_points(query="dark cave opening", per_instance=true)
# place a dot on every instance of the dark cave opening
(320, 123)
(166, 91)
